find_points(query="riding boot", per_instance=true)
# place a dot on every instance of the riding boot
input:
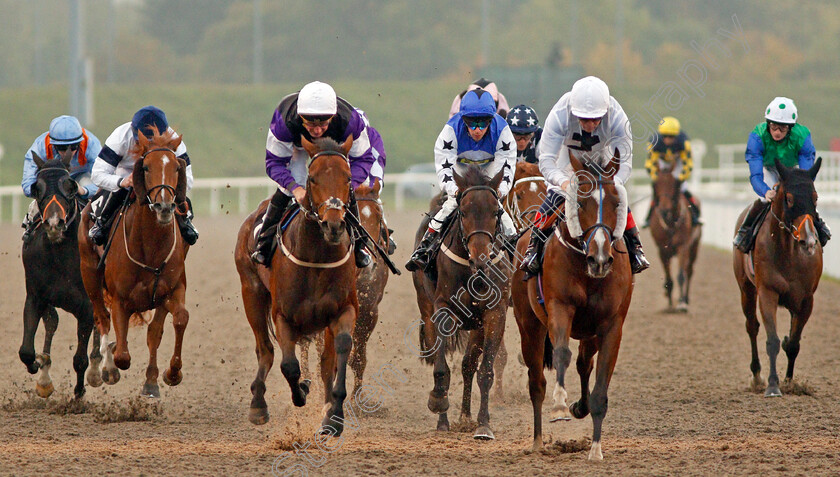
(392, 244)
(693, 208)
(188, 231)
(273, 214)
(28, 225)
(823, 231)
(531, 262)
(638, 261)
(98, 233)
(360, 253)
(744, 237)
(649, 215)
(420, 258)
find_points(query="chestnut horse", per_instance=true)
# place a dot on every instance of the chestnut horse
(586, 289)
(526, 195)
(783, 269)
(470, 294)
(144, 268)
(674, 234)
(51, 266)
(310, 286)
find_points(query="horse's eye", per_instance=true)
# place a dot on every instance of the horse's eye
(145, 168)
(789, 198)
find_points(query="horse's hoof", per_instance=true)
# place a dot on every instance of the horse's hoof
(443, 426)
(332, 426)
(150, 391)
(682, 308)
(773, 391)
(438, 405)
(111, 376)
(578, 411)
(44, 391)
(304, 386)
(483, 433)
(536, 447)
(258, 415)
(123, 361)
(172, 377)
(595, 454)
(94, 378)
(79, 394)
(560, 415)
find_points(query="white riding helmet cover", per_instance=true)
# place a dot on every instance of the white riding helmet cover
(316, 98)
(590, 98)
(781, 110)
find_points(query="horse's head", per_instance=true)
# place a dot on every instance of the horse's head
(596, 212)
(370, 209)
(160, 177)
(478, 214)
(526, 195)
(328, 185)
(666, 195)
(55, 191)
(795, 204)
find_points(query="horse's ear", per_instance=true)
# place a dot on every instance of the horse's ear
(142, 140)
(783, 171)
(345, 148)
(308, 146)
(38, 161)
(139, 177)
(459, 180)
(175, 142)
(614, 164)
(497, 179)
(181, 187)
(815, 169)
(377, 186)
(576, 165)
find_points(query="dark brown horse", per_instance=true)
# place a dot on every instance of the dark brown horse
(144, 268)
(675, 236)
(51, 265)
(586, 290)
(310, 286)
(470, 293)
(783, 269)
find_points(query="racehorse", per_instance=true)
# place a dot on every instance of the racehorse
(144, 267)
(51, 266)
(583, 292)
(672, 230)
(470, 293)
(783, 269)
(310, 286)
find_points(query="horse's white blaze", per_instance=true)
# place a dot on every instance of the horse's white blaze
(533, 187)
(366, 211)
(595, 451)
(53, 220)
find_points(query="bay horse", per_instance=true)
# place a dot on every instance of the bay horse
(51, 266)
(675, 236)
(784, 269)
(310, 286)
(144, 268)
(583, 292)
(470, 293)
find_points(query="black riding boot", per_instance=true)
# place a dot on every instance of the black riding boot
(360, 253)
(532, 261)
(29, 227)
(273, 214)
(692, 207)
(823, 231)
(392, 244)
(188, 231)
(638, 261)
(744, 237)
(98, 233)
(420, 258)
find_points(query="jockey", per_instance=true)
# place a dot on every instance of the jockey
(671, 147)
(476, 127)
(525, 126)
(590, 121)
(66, 137)
(315, 111)
(113, 173)
(487, 85)
(377, 171)
(779, 137)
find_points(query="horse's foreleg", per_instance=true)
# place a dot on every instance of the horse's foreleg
(494, 329)
(469, 365)
(342, 329)
(44, 386)
(361, 334)
(665, 256)
(119, 317)
(559, 328)
(585, 362)
(608, 347)
(683, 277)
(327, 364)
(153, 336)
(94, 373)
(289, 364)
(32, 312)
(768, 301)
(791, 343)
(499, 367)
(180, 317)
(84, 326)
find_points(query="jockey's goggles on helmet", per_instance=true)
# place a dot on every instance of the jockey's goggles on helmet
(316, 120)
(477, 123)
(64, 147)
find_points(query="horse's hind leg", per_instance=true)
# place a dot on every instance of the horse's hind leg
(533, 336)
(748, 307)
(343, 343)
(153, 336)
(257, 302)
(585, 362)
(499, 367)
(768, 303)
(791, 344)
(84, 327)
(494, 329)
(180, 317)
(439, 395)
(361, 334)
(469, 365)
(94, 373)
(44, 387)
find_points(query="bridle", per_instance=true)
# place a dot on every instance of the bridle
(515, 211)
(69, 217)
(465, 238)
(160, 187)
(332, 203)
(789, 228)
(589, 233)
(670, 226)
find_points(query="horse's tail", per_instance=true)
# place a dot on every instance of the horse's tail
(140, 319)
(456, 342)
(548, 354)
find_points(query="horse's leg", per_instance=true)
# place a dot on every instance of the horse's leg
(342, 329)
(585, 363)
(665, 256)
(610, 341)
(119, 317)
(797, 324)
(33, 309)
(533, 335)
(748, 307)
(684, 276)
(328, 362)
(153, 336)
(174, 304)
(289, 365)
(361, 334)
(494, 330)
(768, 301)
(83, 312)
(44, 387)
(94, 373)
(469, 365)
(499, 367)
(304, 359)
(559, 328)
(256, 301)
(439, 395)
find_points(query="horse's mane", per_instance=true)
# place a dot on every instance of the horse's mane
(475, 177)
(157, 140)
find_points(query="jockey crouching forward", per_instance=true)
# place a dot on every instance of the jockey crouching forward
(477, 127)
(592, 123)
(113, 173)
(313, 112)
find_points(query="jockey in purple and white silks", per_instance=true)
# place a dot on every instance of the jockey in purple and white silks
(475, 130)
(313, 112)
(590, 122)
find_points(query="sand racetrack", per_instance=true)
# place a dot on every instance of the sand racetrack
(679, 399)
